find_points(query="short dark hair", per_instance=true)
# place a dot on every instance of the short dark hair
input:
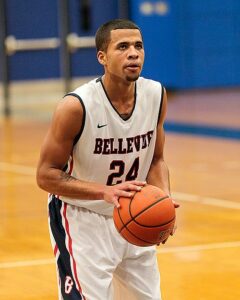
(102, 37)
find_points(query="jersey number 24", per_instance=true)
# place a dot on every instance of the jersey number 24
(119, 167)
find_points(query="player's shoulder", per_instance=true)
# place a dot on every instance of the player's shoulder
(146, 83)
(87, 88)
(84, 94)
(74, 101)
(149, 86)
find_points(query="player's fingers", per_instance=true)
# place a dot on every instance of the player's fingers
(133, 187)
(174, 229)
(122, 193)
(176, 205)
(138, 183)
(115, 201)
(163, 242)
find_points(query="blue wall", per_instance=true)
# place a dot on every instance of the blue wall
(188, 43)
(84, 62)
(32, 19)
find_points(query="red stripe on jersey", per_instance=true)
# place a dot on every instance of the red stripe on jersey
(71, 166)
(55, 250)
(69, 172)
(70, 248)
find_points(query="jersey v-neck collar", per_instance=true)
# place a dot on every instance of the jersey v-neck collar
(135, 99)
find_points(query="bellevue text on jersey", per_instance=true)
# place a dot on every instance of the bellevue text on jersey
(123, 145)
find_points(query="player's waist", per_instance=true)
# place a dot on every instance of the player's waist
(97, 206)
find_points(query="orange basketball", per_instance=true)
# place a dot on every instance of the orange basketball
(147, 218)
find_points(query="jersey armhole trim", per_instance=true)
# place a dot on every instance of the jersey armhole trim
(161, 103)
(77, 137)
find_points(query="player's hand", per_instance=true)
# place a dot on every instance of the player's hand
(176, 205)
(124, 189)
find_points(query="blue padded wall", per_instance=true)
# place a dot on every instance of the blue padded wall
(33, 19)
(30, 20)
(190, 43)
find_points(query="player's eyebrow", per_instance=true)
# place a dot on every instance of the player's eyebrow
(123, 43)
(126, 43)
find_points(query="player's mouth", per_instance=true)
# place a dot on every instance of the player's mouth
(133, 67)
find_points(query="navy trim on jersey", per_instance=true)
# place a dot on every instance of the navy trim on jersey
(161, 103)
(135, 100)
(63, 260)
(77, 137)
(65, 168)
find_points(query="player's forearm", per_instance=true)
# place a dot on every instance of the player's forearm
(58, 182)
(159, 175)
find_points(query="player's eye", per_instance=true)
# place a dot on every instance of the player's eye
(139, 46)
(122, 46)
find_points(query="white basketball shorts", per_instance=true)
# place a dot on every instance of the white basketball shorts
(90, 252)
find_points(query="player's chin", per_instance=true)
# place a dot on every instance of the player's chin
(132, 77)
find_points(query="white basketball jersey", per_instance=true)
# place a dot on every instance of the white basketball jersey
(109, 149)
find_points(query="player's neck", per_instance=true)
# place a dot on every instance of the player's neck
(117, 90)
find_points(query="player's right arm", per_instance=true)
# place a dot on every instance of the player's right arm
(56, 150)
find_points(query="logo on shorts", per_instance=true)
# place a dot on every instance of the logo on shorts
(68, 284)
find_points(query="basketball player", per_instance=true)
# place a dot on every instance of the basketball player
(106, 140)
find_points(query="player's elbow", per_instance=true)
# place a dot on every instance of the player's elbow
(41, 179)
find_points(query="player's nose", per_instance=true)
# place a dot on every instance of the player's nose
(132, 52)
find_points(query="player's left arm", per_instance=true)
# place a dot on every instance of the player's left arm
(158, 174)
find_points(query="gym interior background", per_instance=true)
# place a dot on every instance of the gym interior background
(192, 47)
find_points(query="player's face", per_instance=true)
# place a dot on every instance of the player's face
(124, 56)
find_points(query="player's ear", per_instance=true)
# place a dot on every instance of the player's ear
(101, 56)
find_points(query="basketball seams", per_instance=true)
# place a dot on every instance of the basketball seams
(129, 226)
(121, 220)
(137, 237)
(133, 219)
(154, 226)
(149, 243)
(145, 209)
